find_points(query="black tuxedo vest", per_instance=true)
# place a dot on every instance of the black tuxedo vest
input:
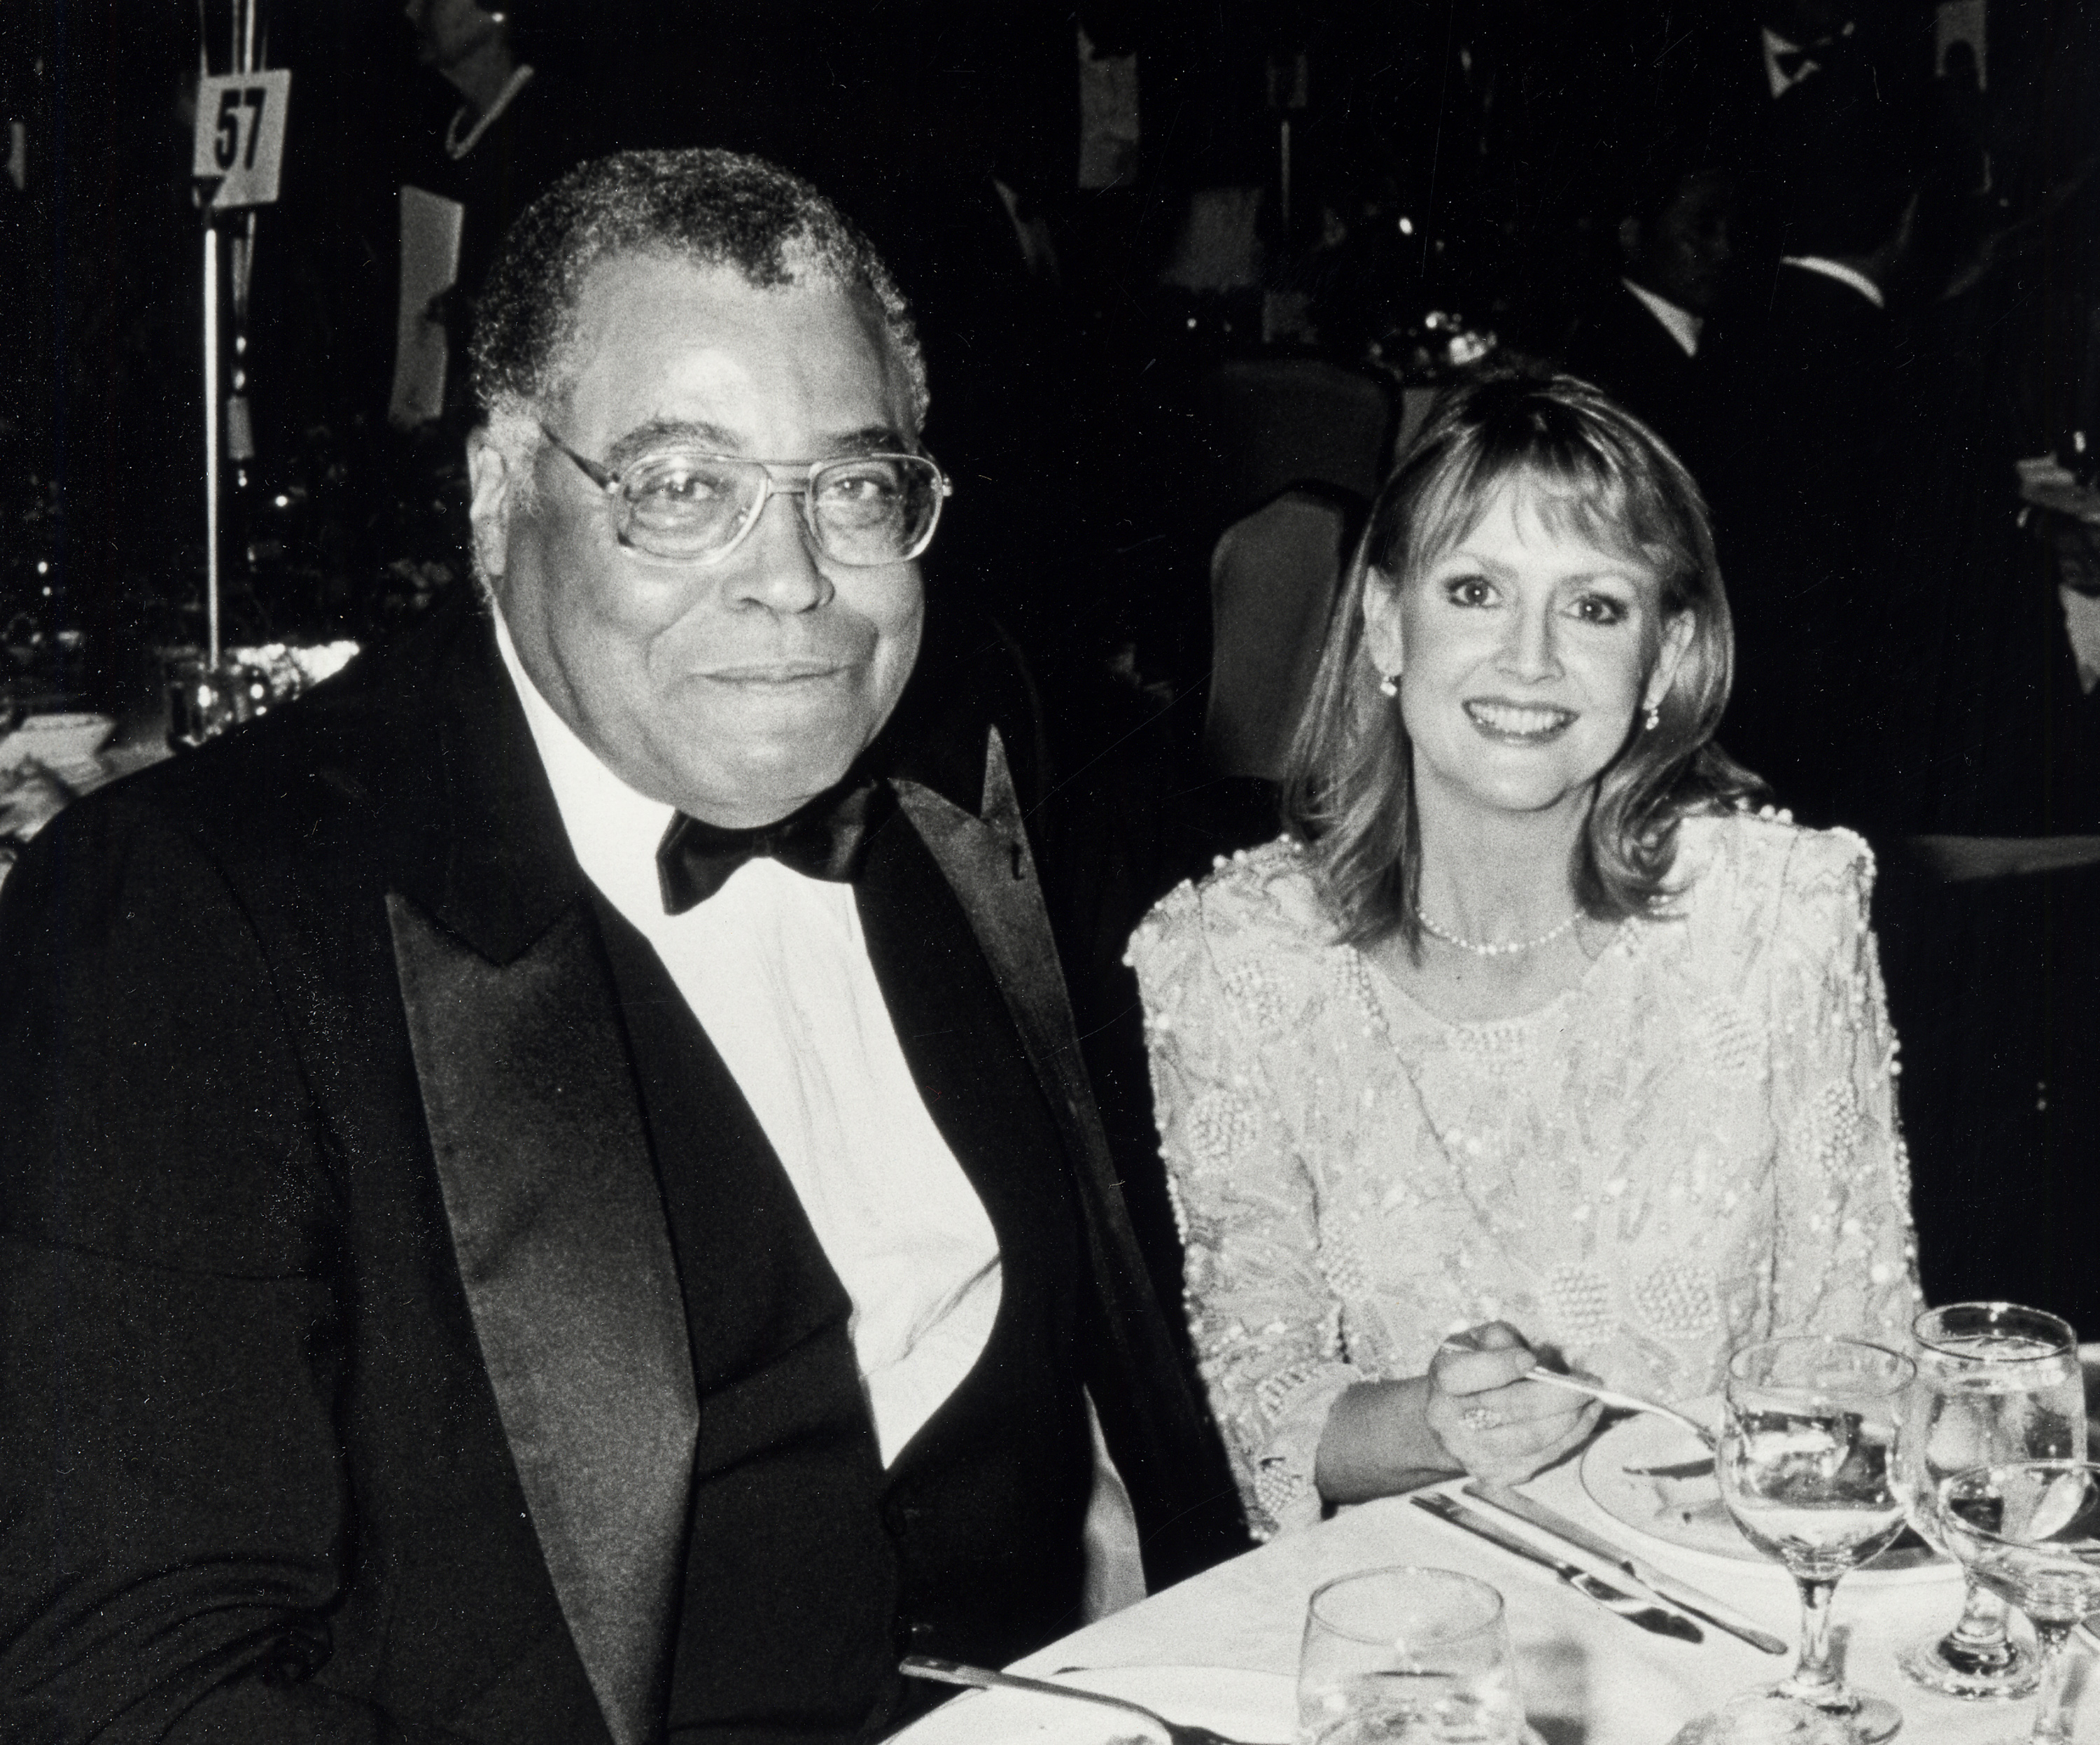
(969, 1547)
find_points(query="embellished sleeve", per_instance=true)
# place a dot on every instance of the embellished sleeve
(1847, 1258)
(1265, 1323)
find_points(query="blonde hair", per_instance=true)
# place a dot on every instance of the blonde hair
(1592, 470)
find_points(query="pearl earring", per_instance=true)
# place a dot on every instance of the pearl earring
(1389, 685)
(1654, 716)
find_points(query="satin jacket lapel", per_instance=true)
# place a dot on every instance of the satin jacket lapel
(549, 1186)
(1164, 1449)
(989, 865)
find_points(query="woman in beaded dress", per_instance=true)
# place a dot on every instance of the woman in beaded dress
(1530, 1039)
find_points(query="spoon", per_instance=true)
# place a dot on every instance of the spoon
(983, 1678)
(1626, 1401)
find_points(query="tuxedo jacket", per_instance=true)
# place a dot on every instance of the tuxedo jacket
(1820, 490)
(1819, 434)
(406, 1332)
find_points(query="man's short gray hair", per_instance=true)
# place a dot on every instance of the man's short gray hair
(712, 207)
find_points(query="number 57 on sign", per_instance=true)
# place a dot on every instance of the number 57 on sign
(240, 139)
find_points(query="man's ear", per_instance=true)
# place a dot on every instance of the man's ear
(488, 471)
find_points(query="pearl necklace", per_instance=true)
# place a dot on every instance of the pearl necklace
(1510, 949)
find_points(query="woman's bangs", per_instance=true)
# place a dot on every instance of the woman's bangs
(1575, 493)
(1615, 509)
(1445, 509)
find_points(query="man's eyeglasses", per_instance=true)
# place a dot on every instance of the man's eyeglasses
(687, 506)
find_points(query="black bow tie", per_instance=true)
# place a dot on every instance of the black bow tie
(823, 839)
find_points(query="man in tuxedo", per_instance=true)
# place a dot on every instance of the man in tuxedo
(1641, 341)
(547, 1194)
(1813, 488)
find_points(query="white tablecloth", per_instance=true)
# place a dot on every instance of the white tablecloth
(1588, 1678)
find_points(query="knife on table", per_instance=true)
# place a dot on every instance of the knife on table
(1681, 1594)
(1648, 1615)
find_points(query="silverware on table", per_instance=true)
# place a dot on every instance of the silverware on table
(983, 1678)
(1625, 1402)
(1681, 1594)
(1649, 1615)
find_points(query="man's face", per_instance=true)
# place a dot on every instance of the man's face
(1684, 251)
(1807, 21)
(737, 689)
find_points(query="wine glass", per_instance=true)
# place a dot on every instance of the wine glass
(1407, 1656)
(1996, 1382)
(1807, 1465)
(2029, 1531)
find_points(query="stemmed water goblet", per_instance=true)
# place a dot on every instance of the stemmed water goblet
(2029, 1531)
(1996, 1382)
(1810, 1435)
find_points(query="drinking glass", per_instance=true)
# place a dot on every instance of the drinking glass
(1807, 1465)
(1996, 1382)
(2029, 1531)
(1407, 1656)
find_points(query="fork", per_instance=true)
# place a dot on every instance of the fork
(1625, 1402)
(983, 1678)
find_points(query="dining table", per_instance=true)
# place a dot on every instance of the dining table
(1586, 1675)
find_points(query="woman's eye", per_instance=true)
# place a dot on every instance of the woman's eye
(1600, 609)
(1469, 590)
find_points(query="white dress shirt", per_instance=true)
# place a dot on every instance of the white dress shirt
(1844, 275)
(1775, 45)
(774, 967)
(1680, 324)
(1777, 81)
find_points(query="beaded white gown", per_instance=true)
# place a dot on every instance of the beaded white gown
(1694, 1147)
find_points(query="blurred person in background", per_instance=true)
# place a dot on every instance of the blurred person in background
(1815, 476)
(508, 127)
(1641, 341)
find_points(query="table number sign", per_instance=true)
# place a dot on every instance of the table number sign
(239, 140)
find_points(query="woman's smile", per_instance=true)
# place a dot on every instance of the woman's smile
(1518, 723)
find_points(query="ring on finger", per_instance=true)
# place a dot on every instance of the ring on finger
(1480, 1417)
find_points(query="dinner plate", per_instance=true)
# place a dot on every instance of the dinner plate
(1259, 1708)
(1685, 1510)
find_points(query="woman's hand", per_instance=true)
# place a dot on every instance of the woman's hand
(1471, 1413)
(1490, 1421)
